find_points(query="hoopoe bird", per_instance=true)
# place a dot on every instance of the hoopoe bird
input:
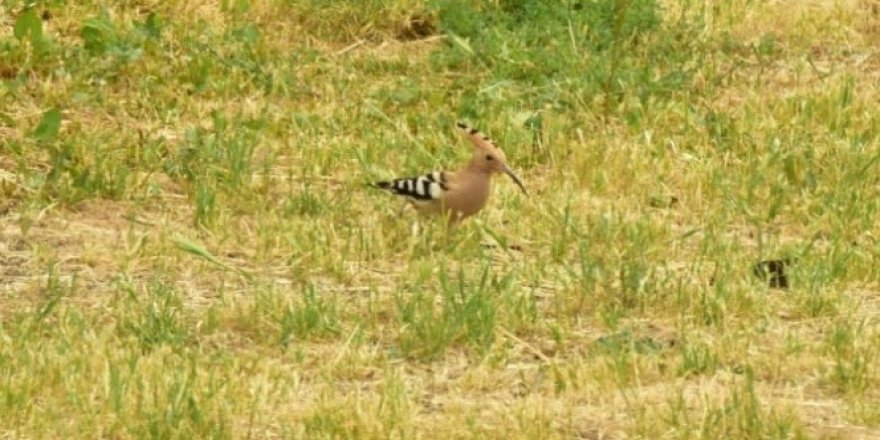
(457, 195)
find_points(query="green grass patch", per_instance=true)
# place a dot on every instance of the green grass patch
(188, 247)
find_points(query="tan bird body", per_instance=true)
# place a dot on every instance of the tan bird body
(457, 195)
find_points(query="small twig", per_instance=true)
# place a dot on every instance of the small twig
(132, 218)
(573, 40)
(426, 39)
(350, 48)
(42, 213)
(345, 346)
(822, 75)
(525, 344)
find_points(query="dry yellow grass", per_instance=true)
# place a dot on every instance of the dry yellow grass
(225, 292)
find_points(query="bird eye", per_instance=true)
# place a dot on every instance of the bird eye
(489, 157)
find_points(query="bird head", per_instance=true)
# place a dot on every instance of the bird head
(487, 156)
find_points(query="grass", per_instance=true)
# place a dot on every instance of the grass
(189, 250)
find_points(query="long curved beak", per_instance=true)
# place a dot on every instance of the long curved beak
(515, 178)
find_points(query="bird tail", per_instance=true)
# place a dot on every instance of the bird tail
(380, 185)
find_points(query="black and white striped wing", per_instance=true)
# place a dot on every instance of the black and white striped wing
(430, 186)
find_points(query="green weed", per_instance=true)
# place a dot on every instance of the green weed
(188, 247)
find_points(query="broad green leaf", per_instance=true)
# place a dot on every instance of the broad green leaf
(153, 26)
(49, 125)
(98, 34)
(28, 26)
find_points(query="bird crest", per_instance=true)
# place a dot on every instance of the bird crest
(477, 138)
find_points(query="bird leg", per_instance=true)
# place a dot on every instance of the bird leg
(414, 229)
(402, 208)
